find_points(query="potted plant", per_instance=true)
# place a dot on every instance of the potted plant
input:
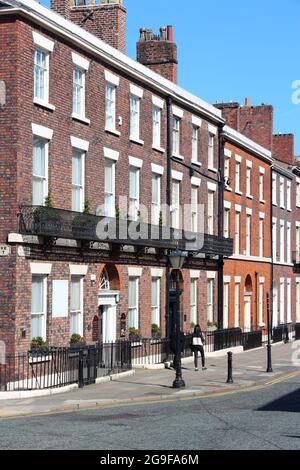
(47, 219)
(38, 345)
(212, 326)
(84, 224)
(77, 342)
(134, 334)
(155, 331)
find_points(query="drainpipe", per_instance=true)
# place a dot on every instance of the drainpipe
(272, 253)
(168, 201)
(221, 224)
(256, 299)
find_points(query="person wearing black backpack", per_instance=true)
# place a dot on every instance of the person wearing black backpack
(197, 348)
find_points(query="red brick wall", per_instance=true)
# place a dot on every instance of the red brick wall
(255, 122)
(107, 22)
(283, 148)
(243, 268)
(60, 175)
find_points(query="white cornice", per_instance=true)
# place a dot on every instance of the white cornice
(88, 42)
(249, 144)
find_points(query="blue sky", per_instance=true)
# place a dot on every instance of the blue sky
(229, 50)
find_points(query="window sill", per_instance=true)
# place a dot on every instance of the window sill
(113, 131)
(262, 201)
(214, 170)
(158, 149)
(249, 197)
(227, 188)
(83, 119)
(196, 163)
(176, 155)
(275, 204)
(239, 193)
(44, 104)
(136, 141)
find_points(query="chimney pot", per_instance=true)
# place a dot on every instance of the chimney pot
(247, 102)
(170, 33)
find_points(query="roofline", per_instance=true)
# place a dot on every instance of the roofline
(248, 144)
(77, 35)
(282, 171)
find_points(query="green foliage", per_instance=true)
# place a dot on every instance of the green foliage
(133, 332)
(38, 343)
(155, 329)
(87, 207)
(49, 200)
(76, 339)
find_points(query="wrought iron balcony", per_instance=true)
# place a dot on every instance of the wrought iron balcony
(296, 261)
(58, 223)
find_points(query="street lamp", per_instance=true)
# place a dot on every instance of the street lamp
(177, 259)
(269, 347)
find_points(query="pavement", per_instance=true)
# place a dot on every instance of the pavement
(150, 386)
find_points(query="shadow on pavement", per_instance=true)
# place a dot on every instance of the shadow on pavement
(289, 403)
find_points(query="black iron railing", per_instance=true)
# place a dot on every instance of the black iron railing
(58, 223)
(284, 332)
(59, 367)
(297, 331)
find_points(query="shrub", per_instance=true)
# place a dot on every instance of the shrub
(133, 332)
(38, 343)
(77, 339)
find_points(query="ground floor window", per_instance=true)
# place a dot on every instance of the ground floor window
(76, 312)
(155, 303)
(39, 307)
(133, 295)
(193, 302)
(210, 300)
(226, 306)
(237, 306)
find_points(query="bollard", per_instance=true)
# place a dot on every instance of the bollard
(230, 379)
(80, 371)
(269, 368)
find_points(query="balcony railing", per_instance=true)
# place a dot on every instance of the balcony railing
(296, 257)
(58, 223)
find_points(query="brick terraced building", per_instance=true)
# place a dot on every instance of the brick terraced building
(81, 126)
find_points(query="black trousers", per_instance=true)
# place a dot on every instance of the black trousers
(201, 350)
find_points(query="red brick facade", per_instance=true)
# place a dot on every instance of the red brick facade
(20, 113)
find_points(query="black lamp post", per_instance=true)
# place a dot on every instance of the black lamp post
(269, 347)
(177, 259)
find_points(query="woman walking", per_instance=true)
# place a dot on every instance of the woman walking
(197, 347)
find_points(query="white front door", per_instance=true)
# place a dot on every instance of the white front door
(247, 313)
(109, 318)
(109, 324)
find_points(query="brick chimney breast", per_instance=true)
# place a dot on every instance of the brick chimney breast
(106, 20)
(158, 52)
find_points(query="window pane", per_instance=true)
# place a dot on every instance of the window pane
(36, 326)
(76, 295)
(77, 168)
(37, 295)
(132, 293)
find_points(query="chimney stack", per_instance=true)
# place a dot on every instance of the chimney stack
(106, 20)
(247, 102)
(158, 52)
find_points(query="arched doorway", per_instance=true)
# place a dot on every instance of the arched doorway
(248, 293)
(108, 298)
